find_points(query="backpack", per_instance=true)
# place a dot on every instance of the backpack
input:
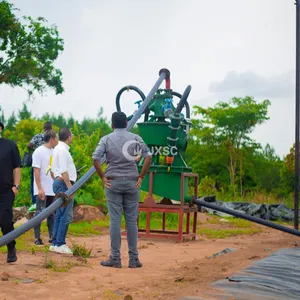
(26, 160)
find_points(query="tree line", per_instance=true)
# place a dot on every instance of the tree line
(230, 164)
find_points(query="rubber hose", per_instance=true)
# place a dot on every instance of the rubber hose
(183, 99)
(134, 88)
(187, 106)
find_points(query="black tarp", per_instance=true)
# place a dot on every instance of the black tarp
(272, 212)
(276, 277)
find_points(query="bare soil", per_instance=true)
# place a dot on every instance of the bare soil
(170, 270)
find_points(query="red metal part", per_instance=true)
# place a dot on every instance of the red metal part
(166, 206)
(168, 83)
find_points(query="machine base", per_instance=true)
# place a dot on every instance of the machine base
(184, 212)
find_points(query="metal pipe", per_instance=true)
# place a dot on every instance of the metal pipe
(164, 73)
(246, 217)
(297, 129)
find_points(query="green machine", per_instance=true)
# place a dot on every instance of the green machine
(165, 131)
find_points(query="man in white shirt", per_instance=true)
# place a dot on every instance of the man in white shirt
(64, 172)
(43, 190)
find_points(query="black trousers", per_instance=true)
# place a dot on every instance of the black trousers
(6, 214)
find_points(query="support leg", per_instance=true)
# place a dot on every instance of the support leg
(188, 223)
(180, 227)
(195, 225)
(148, 222)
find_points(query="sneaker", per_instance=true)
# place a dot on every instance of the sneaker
(32, 208)
(12, 255)
(52, 248)
(113, 263)
(39, 242)
(50, 241)
(63, 249)
(135, 263)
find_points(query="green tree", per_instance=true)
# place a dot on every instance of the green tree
(24, 113)
(287, 172)
(229, 124)
(28, 49)
(11, 122)
(267, 165)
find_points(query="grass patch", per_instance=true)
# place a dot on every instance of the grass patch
(237, 222)
(110, 295)
(225, 233)
(81, 250)
(231, 227)
(240, 223)
(172, 220)
(64, 266)
(83, 228)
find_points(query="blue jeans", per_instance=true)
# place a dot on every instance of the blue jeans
(63, 217)
(123, 195)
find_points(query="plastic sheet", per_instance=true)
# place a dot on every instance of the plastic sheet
(273, 278)
(272, 212)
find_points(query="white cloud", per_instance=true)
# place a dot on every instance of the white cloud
(250, 83)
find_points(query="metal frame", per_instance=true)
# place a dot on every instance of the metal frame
(183, 210)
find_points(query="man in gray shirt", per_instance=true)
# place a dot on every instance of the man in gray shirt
(122, 185)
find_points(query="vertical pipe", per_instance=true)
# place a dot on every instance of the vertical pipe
(297, 129)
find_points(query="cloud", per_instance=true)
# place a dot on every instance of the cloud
(250, 83)
(279, 89)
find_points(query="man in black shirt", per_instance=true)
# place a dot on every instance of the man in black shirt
(10, 176)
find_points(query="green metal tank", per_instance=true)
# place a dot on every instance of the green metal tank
(166, 133)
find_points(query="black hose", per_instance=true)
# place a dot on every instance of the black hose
(134, 88)
(4, 240)
(183, 99)
(187, 106)
(247, 217)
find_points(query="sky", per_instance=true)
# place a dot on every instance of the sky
(222, 48)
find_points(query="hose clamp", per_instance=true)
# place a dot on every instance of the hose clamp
(174, 140)
(66, 199)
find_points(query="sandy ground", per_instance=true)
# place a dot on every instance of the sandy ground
(170, 270)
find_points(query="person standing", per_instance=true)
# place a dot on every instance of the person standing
(65, 175)
(43, 182)
(10, 177)
(36, 141)
(122, 185)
